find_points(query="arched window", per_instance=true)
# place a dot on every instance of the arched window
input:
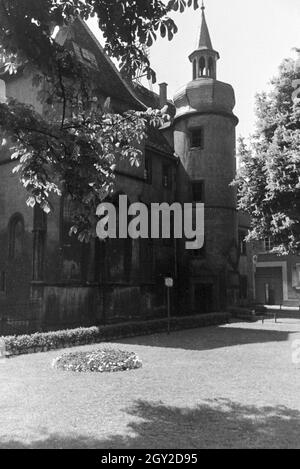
(210, 67)
(201, 67)
(119, 250)
(75, 254)
(16, 236)
(194, 70)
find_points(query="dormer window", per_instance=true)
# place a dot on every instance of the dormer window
(197, 140)
(84, 55)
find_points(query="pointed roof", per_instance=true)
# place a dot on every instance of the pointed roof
(109, 80)
(204, 39)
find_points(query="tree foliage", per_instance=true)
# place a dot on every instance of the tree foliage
(269, 178)
(76, 144)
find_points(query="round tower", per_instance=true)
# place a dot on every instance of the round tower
(204, 139)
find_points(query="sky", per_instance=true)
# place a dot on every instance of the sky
(252, 37)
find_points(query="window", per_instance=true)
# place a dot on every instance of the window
(2, 282)
(88, 56)
(198, 191)
(74, 254)
(242, 243)
(268, 245)
(194, 70)
(85, 55)
(197, 140)
(210, 67)
(166, 176)
(148, 168)
(202, 67)
(16, 236)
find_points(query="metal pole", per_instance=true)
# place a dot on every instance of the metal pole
(168, 300)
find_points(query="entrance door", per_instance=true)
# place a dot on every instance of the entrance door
(203, 298)
(269, 285)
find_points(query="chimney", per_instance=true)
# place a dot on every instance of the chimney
(163, 98)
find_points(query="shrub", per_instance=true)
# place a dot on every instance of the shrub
(103, 360)
(43, 341)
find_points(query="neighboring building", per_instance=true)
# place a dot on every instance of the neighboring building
(277, 278)
(49, 280)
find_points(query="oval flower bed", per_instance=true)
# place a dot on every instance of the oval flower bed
(100, 360)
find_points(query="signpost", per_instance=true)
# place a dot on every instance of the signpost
(169, 283)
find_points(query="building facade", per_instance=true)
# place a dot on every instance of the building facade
(277, 278)
(50, 280)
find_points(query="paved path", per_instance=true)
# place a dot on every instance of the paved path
(220, 387)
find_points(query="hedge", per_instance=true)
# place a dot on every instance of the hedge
(44, 341)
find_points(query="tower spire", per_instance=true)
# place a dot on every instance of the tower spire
(204, 58)
(204, 39)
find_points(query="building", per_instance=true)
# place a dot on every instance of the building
(50, 280)
(277, 278)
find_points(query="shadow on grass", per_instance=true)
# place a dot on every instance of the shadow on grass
(218, 423)
(210, 338)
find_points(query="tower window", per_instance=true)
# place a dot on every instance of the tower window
(202, 67)
(210, 67)
(198, 191)
(197, 140)
(194, 70)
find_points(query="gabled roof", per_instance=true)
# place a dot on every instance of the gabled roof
(109, 80)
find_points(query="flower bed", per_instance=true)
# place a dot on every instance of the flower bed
(103, 360)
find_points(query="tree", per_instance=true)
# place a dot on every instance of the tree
(269, 178)
(76, 145)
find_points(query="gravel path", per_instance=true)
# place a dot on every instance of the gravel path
(220, 387)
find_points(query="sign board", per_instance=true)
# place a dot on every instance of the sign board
(169, 282)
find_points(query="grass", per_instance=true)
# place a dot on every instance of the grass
(220, 387)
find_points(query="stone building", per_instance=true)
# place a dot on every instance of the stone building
(50, 280)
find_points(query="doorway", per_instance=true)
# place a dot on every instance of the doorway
(203, 298)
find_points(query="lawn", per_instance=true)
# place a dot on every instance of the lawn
(219, 387)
